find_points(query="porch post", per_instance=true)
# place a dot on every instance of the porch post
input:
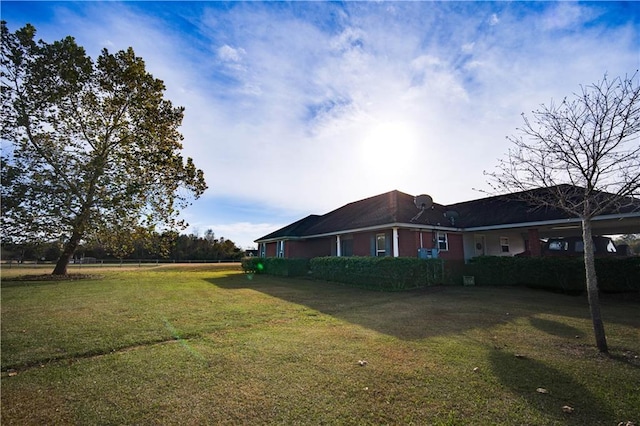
(338, 251)
(395, 242)
(534, 243)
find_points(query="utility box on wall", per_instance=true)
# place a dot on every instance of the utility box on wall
(424, 253)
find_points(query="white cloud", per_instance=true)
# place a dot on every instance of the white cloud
(565, 15)
(459, 108)
(305, 107)
(228, 53)
(468, 47)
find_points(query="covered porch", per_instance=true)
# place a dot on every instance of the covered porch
(509, 240)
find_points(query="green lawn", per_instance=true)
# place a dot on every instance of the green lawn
(200, 345)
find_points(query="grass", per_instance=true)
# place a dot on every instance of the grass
(202, 345)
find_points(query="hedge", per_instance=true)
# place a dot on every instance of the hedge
(557, 274)
(276, 266)
(379, 273)
(618, 274)
(564, 275)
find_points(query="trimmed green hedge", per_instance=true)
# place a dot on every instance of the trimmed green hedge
(252, 265)
(618, 274)
(275, 266)
(564, 275)
(379, 273)
(557, 274)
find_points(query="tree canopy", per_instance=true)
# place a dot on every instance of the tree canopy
(94, 146)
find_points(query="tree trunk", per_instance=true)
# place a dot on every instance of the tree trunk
(69, 248)
(592, 286)
(79, 227)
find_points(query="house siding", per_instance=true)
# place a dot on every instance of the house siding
(427, 237)
(408, 243)
(294, 249)
(308, 249)
(362, 243)
(456, 247)
(270, 250)
(516, 243)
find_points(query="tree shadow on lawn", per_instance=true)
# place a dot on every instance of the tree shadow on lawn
(556, 328)
(44, 279)
(548, 390)
(412, 315)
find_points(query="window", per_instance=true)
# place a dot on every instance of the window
(504, 244)
(381, 245)
(263, 250)
(443, 243)
(580, 246)
(557, 245)
(280, 249)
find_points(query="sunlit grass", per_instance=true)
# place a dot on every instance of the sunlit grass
(206, 346)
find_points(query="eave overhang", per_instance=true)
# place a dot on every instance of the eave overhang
(554, 222)
(413, 226)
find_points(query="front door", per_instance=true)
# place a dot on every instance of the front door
(479, 245)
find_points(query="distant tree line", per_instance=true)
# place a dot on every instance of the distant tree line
(168, 246)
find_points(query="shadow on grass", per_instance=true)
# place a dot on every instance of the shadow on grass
(565, 331)
(45, 279)
(524, 376)
(556, 328)
(411, 315)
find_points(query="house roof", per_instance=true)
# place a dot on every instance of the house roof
(296, 229)
(504, 209)
(388, 208)
(398, 208)
(517, 208)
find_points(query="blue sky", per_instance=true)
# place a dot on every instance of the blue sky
(299, 108)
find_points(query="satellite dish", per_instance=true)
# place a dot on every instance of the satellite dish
(452, 215)
(423, 201)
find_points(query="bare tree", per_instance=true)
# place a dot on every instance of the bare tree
(585, 152)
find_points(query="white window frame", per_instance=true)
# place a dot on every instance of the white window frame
(504, 244)
(381, 251)
(280, 248)
(442, 241)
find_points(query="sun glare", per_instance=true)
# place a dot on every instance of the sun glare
(388, 142)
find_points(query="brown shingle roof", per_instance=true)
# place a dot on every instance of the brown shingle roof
(390, 207)
(296, 229)
(517, 208)
(396, 207)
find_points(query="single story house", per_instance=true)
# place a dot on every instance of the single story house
(399, 224)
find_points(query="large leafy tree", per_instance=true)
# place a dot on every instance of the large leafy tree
(585, 152)
(91, 150)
